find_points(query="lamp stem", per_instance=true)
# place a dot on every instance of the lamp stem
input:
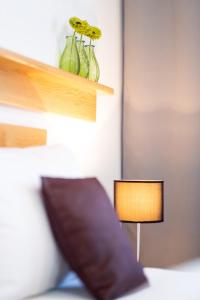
(138, 241)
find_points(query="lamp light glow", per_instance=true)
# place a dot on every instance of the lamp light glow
(139, 201)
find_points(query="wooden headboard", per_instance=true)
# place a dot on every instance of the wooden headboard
(20, 136)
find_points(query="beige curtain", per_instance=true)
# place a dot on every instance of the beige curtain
(161, 133)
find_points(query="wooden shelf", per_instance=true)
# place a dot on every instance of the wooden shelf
(28, 84)
(20, 136)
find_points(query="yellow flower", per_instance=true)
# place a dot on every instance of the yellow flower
(74, 22)
(80, 26)
(93, 32)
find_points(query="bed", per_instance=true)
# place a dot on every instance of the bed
(30, 262)
(164, 284)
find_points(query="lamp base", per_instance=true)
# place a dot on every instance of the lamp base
(138, 242)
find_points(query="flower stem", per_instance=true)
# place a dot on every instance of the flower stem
(79, 44)
(89, 56)
(73, 36)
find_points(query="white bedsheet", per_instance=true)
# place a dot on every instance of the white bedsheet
(163, 285)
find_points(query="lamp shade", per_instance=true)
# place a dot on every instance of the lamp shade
(139, 201)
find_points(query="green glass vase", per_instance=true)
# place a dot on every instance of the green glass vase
(94, 72)
(69, 60)
(84, 63)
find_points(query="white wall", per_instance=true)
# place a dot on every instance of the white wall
(37, 28)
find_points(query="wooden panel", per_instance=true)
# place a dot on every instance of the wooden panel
(76, 102)
(38, 93)
(20, 136)
(29, 84)
(17, 90)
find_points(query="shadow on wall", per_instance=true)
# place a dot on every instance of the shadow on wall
(165, 145)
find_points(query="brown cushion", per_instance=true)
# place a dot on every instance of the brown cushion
(90, 236)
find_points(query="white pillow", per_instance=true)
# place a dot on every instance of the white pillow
(30, 262)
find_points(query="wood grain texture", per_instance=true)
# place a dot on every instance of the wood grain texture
(20, 136)
(29, 84)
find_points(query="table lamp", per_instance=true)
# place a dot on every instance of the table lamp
(139, 201)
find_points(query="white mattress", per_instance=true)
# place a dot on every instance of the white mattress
(163, 284)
